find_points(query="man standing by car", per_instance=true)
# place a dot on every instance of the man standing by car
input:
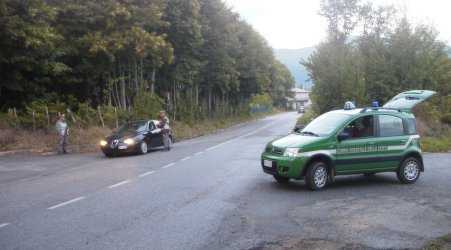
(164, 126)
(63, 132)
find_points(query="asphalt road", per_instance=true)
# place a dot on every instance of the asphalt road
(210, 193)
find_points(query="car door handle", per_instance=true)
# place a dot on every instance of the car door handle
(403, 141)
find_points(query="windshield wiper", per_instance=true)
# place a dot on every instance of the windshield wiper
(309, 133)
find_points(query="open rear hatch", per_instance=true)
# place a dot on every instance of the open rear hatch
(409, 99)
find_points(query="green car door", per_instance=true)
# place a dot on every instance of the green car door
(392, 141)
(357, 150)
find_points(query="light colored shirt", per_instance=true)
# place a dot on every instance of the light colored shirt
(61, 128)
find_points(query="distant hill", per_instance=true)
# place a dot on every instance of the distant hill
(291, 58)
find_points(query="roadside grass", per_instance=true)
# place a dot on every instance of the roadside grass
(87, 139)
(436, 144)
(46, 141)
(441, 243)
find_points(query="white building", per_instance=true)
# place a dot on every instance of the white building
(301, 97)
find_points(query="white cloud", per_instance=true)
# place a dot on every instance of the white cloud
(296, 23)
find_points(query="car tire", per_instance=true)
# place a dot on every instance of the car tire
(170, 143)
(143, 148)
(317, 176)
(281, 179)
(409, 171)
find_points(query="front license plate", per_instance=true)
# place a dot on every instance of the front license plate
(267, 163)
(122, 147)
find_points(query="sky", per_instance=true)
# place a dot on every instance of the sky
(294, 24)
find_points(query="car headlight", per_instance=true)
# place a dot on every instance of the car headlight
(103, 143)
(291, 152)
(129, 141)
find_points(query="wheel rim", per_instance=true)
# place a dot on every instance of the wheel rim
(144, 147)
(411, 170)
(320, 177)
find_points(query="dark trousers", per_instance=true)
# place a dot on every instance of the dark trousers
(62, 143)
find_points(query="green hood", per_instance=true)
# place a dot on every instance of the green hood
(295, 140)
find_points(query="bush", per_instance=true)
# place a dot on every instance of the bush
(434, 144)
(307, 117)
(261, 103)
(40, 108)
(86, 115)
(146, 105)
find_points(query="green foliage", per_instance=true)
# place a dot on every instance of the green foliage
(261, 103)
(307, 117)
(436, 144)
(388, 57)
(41, 114)
(198, 56)
(146, 106)
(114, 117)
(87, 116)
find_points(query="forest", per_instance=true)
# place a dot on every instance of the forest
(197, 59)
(372, 53)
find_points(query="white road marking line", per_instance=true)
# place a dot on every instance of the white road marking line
(146, 174)
(4, 225)
(239, 137)
(169, 165)
(66, 203)
(186, 158)
(119, 184)
(199, 153)
(215, 147)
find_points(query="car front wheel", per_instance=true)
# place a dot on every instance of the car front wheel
(317, 176)
(409, 171)
(143, 148)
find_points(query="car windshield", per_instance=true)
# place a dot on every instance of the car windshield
(324, 124)
(138, 126)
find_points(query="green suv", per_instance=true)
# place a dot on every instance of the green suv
(351, 141)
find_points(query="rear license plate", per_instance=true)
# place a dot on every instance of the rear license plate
(267, 163)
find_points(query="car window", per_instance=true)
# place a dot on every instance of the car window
(325, 124)
(139, 126)
(361, 127)
(390, 126)
(410, 126)
(151, 126)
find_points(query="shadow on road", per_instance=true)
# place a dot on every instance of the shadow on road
(341, 182)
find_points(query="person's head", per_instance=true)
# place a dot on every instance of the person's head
(162, 114)
(62, 117)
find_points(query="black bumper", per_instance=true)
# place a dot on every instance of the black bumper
(118, 151)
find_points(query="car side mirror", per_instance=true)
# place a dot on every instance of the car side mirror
(298, 128)
(343, 136)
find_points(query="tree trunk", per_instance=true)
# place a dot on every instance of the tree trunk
(209, 101)
(175, 100)
(152, 83)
